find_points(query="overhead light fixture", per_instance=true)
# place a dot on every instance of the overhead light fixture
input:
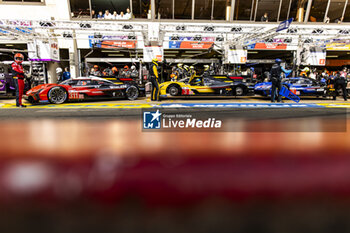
(115, 55)
(97, 36)
(46, 24)
(175, 37)
(292, 30)
(180, 28)
(197, 38)
(253, 52)
(128, 26)
(332, 56)
(317, 31)
(171, 51)
(236, 29)
(110, 51)
(219, 38)
(67, 35)
(85, 25)
(9, 45)
(170, 55)
(344, 32)
(209, 28)
(191, 51)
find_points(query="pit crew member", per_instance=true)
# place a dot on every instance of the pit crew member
(276, 80)
(154, 77)
(18, 76)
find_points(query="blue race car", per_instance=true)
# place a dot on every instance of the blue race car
(299, 86)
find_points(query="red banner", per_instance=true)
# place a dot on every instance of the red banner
(272, 46)
(110, 44)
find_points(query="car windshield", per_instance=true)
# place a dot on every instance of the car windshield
(67, 82)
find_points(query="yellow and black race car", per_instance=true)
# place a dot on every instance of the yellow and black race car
(202, 86)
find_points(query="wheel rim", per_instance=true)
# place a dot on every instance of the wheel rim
(58, 95)
(132, 92)
(173, 91)
(239, 91)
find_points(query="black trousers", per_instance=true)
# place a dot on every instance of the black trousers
(343, 88)
(155, 89)
(276, 88)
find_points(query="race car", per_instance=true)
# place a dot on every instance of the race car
(299, 86)
(244, 80)
(78, 89)
(204, 87)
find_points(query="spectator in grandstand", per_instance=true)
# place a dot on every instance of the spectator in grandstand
(66, 74)
(122, 16)
(108, 15)
(340, 20)
(265, 17)
(128, 13)
(100, 15)
(93, 14)
(115, 15)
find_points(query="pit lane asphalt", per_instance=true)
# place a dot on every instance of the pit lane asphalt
(121, 113)
(136, 114)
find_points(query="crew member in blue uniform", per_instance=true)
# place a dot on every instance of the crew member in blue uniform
(276, 80)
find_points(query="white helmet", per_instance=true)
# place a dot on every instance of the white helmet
(133, 68)
(58, 70)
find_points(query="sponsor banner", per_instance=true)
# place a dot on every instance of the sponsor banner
(39, 50)
(338, 47)
(235, 56)
(189, 38)
(313, 56)
(110, 42)
(190, 45)
(284, 25)
(153, 52)
(269, 46)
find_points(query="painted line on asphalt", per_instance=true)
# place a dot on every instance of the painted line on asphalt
(336, 105)
(170, 105)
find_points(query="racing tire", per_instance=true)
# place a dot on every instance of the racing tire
(57, 95)
(174, 90)
(239, 91)
(31, 100)
(132, 93)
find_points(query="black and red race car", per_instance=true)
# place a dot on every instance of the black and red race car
(79, 89)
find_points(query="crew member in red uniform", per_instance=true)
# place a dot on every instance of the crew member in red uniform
(18, 76)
